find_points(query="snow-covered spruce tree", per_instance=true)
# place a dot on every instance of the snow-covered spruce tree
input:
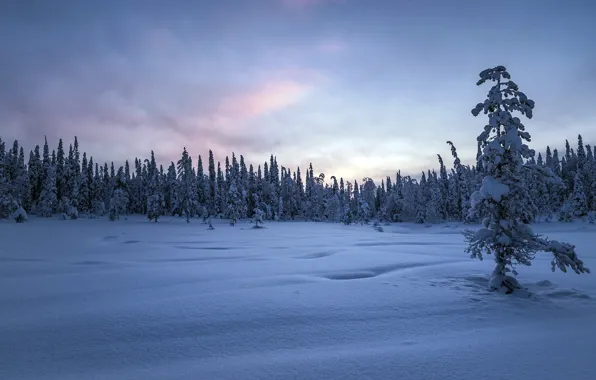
(119, 200)
(590, 176)
(463, 182)
(443, 182)
(234, 203)
(48, 199)
(220, 196)
(368, 194)
(154, 198)
(289, 195)
(258, 213)
(279, 215)
(171, 198)
(98, 204)
(347, 216)
(187, 182)
(411, 206)
(7, 202)
(576, 206)
(19, 215)
(505, 232)
(363, 214)
(333, 210)
(73, 209)
(432, 212)
(20, 181)
(212, 201)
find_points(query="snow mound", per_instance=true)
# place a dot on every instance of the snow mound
(568, 293)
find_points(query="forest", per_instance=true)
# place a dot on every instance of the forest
(71, 184)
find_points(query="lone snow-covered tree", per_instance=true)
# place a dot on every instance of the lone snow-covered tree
(503, 196)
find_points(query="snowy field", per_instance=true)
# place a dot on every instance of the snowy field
(93, 299)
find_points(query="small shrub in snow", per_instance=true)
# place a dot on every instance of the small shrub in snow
(67, 209)
(113, 214)
(204, 213)
(548, 217)
(503, 196)
(154, 205)
(72, 212)
(363, 211)
(347, 217)
(7, 206)
(19, 215)
(258, 218)
(118, 204)
(259, 213)
(377, 226)
(566, 214)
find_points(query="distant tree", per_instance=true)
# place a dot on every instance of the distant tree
(432, 211)
(48, 200)
(187, 181)
(19, 215)
(577, 204)
(234, 205)
(119, 200)
(155, 198)
(258, 213)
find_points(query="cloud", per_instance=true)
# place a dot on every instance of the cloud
(153, 87)
(125, 124)
(119, 109)
(267, 98)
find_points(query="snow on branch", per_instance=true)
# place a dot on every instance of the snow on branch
(564, 256)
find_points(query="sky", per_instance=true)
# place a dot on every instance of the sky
(357, 87)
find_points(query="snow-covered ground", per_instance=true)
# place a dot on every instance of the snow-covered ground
(93, 299)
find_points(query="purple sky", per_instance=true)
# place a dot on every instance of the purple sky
(358, 87)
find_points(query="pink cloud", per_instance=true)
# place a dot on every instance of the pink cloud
(264, 99)
(227, 123)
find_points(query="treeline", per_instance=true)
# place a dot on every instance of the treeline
(72, 184)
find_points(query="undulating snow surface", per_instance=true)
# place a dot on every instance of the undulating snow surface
(137, 300)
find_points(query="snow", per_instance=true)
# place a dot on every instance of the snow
(90, 298)
(493, 188)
